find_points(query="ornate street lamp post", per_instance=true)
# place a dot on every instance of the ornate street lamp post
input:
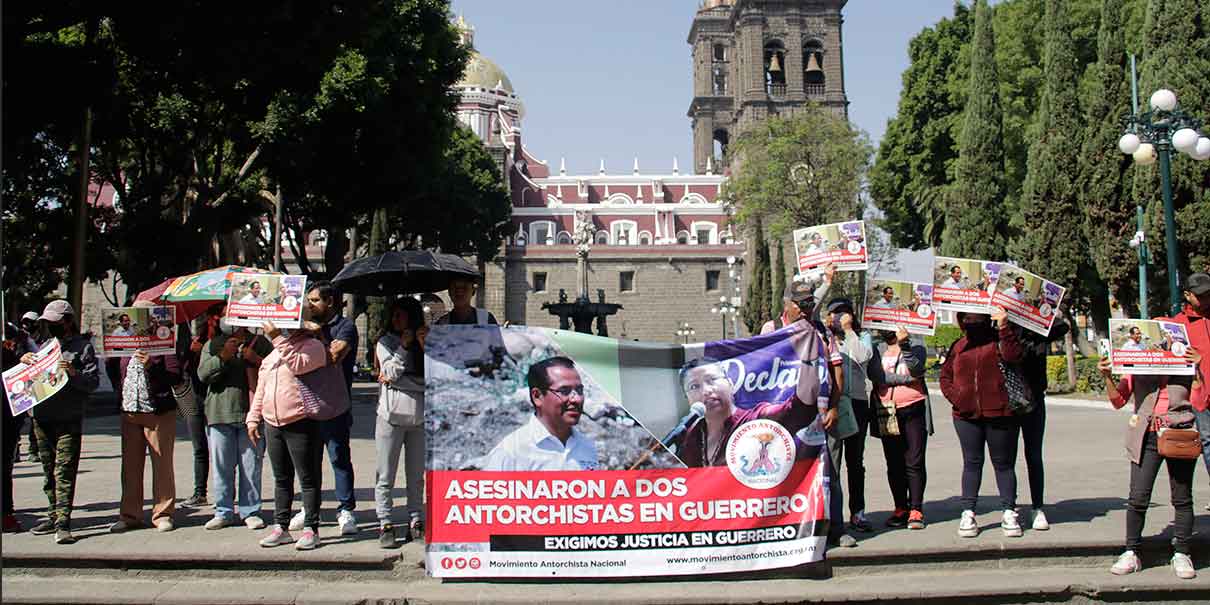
(1153, 135)
(685, 331)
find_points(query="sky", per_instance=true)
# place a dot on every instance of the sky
(612, 79)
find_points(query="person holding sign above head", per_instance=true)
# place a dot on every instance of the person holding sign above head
(1159, 403)
(59, 421)
(801, 295)
(549, 441)
(973, 382)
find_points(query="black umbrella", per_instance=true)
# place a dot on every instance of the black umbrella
(403, 272)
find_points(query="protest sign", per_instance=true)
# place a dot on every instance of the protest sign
(1029, 300)
(28, 385)
(842, 244)
(125, 330)
(506, 498)
(964, 284)
(1144, 346)
(890, 304)
(258, 297)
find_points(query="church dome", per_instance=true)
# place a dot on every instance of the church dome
(480, 71)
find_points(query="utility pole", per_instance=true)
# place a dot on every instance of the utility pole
(75, 284)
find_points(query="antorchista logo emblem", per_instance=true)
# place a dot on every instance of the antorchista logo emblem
(760, 454)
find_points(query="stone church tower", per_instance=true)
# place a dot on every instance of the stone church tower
(756, 58)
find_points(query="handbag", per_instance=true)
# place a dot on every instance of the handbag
(323, 392)
(1020, 400)
(1179, 444)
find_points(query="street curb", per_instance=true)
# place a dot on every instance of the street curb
(295, 561)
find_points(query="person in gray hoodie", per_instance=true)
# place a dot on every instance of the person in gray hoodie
(59, 421)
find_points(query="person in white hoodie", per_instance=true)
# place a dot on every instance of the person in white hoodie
(400, 419)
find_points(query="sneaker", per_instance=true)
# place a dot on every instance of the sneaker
(277, 536)
(219, 522)
(898, 518)
(195, 501)
(967, 527)
(915, 520)
(43, 528)
(858, 522)
(1129, 563)
(254, 522)
(1182, 566)
(386, 536)
(63, 536)
(164, 524)
(1010, 524)
(844, 541)
(307, 541)
(122, 526)
(348, 525)
(1040, 522)
(415, 528)
(11, 524)
(298, 520)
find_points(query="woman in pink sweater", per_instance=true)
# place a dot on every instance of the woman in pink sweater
(293, 438)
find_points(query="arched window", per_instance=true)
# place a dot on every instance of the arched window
(812, 67)
(705, 232)
(542, 233)
(775, 69)
(682, 237)
(721, 140)
(602, 238)
(564, 238)
(623, 233)
(644, 238)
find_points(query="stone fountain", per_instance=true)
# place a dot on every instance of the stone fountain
(582, 312)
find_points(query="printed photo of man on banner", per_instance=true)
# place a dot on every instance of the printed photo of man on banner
(259, 297)
(842, 244)
(558, 454)
(1029, 300)
(28, 385)
(964, 285)
(890, 304)
(1144, 346)
(125, 330)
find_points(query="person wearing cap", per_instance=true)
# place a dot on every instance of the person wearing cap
(59, 421)
(855, 349)
(800, 294)
(1196, 318)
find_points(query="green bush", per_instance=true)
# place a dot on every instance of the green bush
(944, 337)
(1088, 377)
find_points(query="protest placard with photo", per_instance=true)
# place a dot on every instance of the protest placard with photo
(1029, 300)
(28, 385)
(623, 501)
(841, 244)
(964, 284)
(259, 297)
(125, 330)
(890, 304)
(1145, 346)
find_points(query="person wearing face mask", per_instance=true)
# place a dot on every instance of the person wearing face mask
(855, 348)
(897, 371)
(16, 344)
(797, 292)
(972, 381)
(1195, 316)
(59, 421)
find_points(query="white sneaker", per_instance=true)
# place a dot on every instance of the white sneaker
(967, 527)
(1010, 524)
(218, 522)
(1182, 565)
(254, 522)
(1040, 522)
(1128, 563)
(298, 520)
(164, 524)
(276, 537)
(348, 525)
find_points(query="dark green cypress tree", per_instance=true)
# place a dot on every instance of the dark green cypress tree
(757, 308)
(1051, 240)
(975, 217)
(1108, 207)
(779, 278)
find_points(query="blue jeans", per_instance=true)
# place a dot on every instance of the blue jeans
(1203, 428)
(335, 434)
(230, 452)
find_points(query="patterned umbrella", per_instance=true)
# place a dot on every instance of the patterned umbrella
(194, 293)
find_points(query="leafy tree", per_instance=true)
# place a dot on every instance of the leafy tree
(975, 217)
(758, 306)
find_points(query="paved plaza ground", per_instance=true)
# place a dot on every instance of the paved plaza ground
(1087, 478)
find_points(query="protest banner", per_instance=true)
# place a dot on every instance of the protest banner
(842, 244)
(964, 284)
(890, 304)
(125, 330)
(507, 498)
(1029, 300)
(28, 385)
(1145, 346)
(258, 297)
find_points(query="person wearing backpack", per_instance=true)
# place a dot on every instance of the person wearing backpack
(400, 418)
(973, 380)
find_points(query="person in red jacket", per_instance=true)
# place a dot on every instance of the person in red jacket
(972, 381)
(1196, 317)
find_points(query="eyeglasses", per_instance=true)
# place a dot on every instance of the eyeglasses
(565, 392)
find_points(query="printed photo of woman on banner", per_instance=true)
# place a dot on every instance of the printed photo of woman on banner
(558, 454)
